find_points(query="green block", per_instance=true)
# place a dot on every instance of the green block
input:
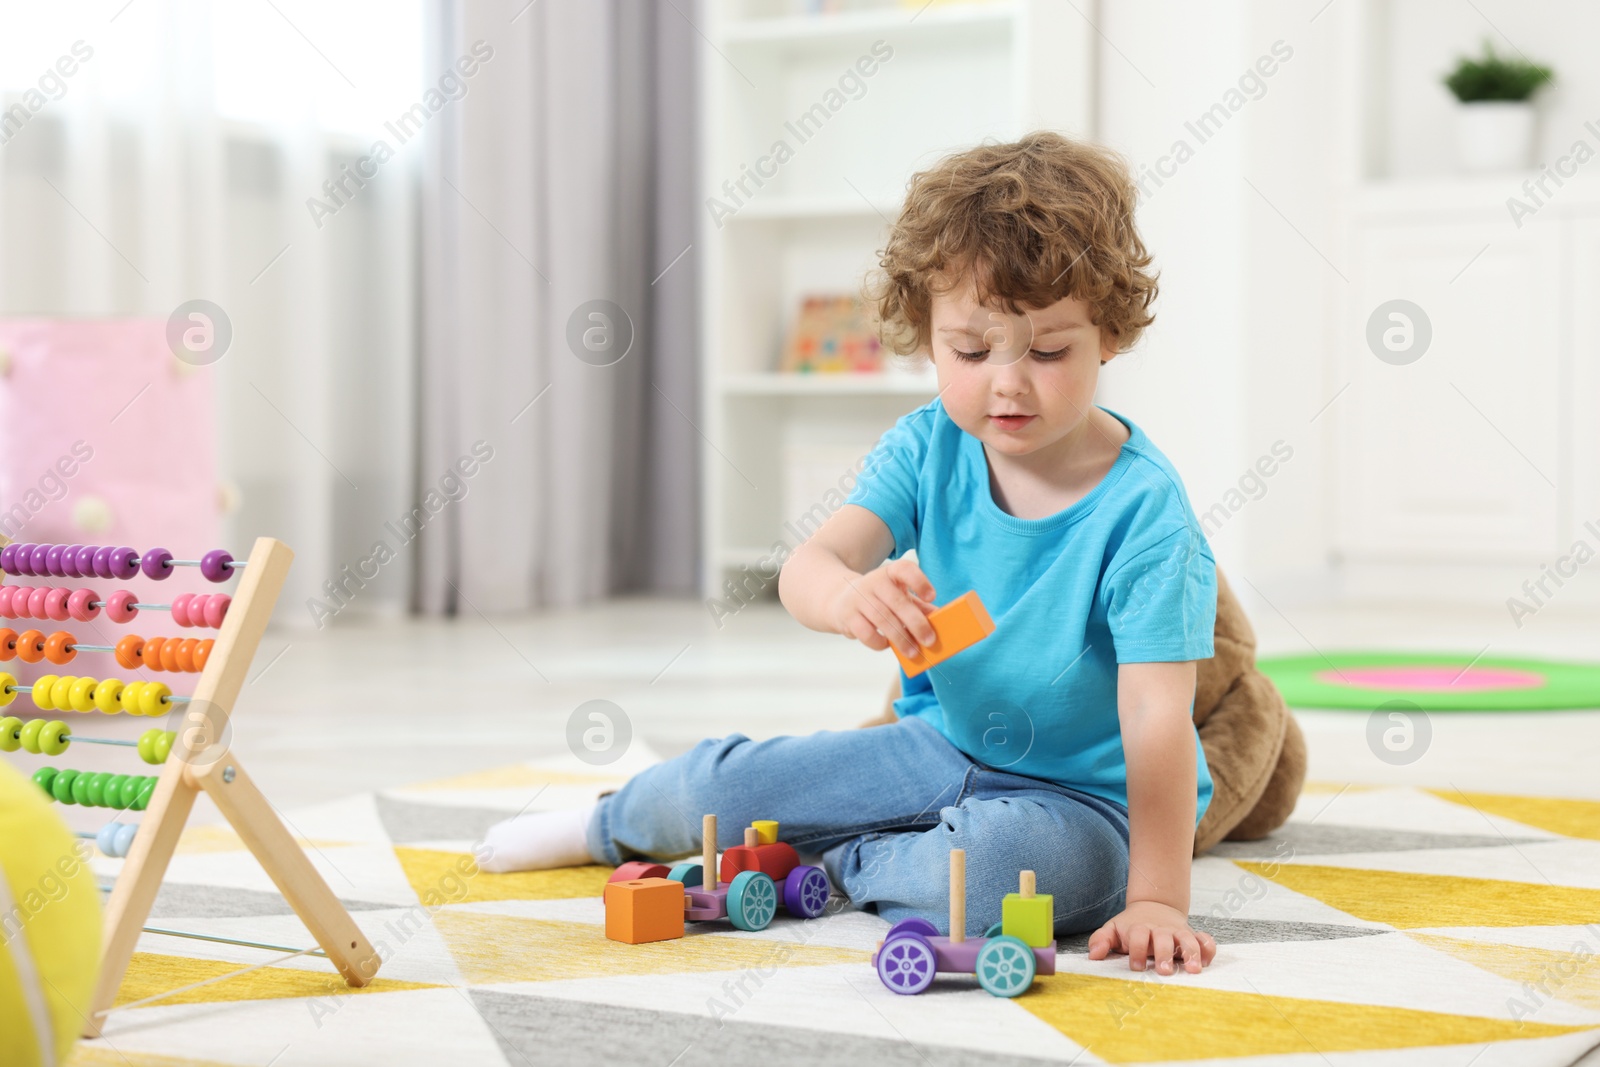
(1033, 919)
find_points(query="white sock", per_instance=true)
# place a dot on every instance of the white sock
(537, 841)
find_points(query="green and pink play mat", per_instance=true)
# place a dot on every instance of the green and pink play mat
(1433, 681)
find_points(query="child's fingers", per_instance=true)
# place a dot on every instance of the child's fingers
(913, 617)
(862, 630)
(1161, 948)
(1208, 946)
(1138, 941)
(1102, 941)
(912, 578)
(1189, 945)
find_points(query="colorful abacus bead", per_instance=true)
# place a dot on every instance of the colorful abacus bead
(214, 566)
(52, 560)
(61, 692)
(85, 561)
(41, 692)
(152, 652)
(8, 558)
(155, 699)
(81, 695)
(69, 562)
(108, 695)
(119, 606)
(156, 564)
(115, 839)
(8, 688)
(130, 649)
(80, 605)
(55, 603)
(129, 697)
(102, 561)
(58, 648)
(156, 744)
(11, 733)
(30, 646)
(37, 560)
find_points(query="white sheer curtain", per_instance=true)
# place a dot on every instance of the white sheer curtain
(560, 188)
(176, 162)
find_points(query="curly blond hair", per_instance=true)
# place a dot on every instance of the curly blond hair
(1030, 222)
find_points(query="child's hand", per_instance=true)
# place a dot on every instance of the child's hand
(888, 604)
(1147, 928)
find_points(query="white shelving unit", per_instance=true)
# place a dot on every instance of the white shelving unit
(943, 76)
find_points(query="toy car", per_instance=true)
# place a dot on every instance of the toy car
(650, 902)
(1005, 960)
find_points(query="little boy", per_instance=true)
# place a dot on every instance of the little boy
(1061, 743)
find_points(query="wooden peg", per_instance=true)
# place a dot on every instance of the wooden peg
(708, 833)
(752, 837)
(1026, 888)
(958, 895)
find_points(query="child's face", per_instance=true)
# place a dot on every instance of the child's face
(1018, 383)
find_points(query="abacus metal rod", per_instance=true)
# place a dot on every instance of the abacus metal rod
(28, 689)
(196, 563)
(74, 738)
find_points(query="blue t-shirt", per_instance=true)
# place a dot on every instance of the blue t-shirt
(1124, 575)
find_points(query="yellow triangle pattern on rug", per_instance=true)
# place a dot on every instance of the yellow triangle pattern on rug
(101, 1055)
(1412, 901)
(1132, 1021)
(150, 974)
(1572, 975)
(1571, 818)
(502, 948)
(516, 776)
(441, 878)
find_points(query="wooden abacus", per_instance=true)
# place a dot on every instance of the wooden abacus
(193, 758)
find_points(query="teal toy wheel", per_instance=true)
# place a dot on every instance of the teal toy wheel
(995, 930)
(752, 900)
(687, 873)
(1006, 966)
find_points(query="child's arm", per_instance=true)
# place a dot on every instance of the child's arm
(1158, 741)
(833, 583)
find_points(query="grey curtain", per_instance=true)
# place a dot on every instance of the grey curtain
(558, 217)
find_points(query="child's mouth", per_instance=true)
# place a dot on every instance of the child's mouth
(1012, 422)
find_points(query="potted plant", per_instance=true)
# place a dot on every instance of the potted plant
(1494, 123)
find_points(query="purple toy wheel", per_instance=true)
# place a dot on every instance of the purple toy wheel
(214, 566)
(805, 892)
(906, 964)
(154, 564)
(912, 926)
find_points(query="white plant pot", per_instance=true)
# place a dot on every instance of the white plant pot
(1494, 135)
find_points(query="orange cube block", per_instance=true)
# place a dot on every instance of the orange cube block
(644, 910)
(960, 624)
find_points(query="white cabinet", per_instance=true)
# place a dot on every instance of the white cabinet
(1480, 450)
(859, 100)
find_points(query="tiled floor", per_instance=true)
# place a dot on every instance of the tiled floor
(375, 705)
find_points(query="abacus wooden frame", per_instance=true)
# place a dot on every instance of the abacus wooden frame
(204, 763)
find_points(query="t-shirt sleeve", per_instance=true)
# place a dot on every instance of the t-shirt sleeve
(1161, 602)
(889, 478)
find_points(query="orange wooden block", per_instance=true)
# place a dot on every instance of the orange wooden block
(643, 910)
(960, 624)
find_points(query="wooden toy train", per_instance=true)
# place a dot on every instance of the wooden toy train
(650, 902)
(1006, 959)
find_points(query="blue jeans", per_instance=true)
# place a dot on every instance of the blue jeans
(883, 807)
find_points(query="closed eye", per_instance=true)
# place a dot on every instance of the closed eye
(979, 357)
